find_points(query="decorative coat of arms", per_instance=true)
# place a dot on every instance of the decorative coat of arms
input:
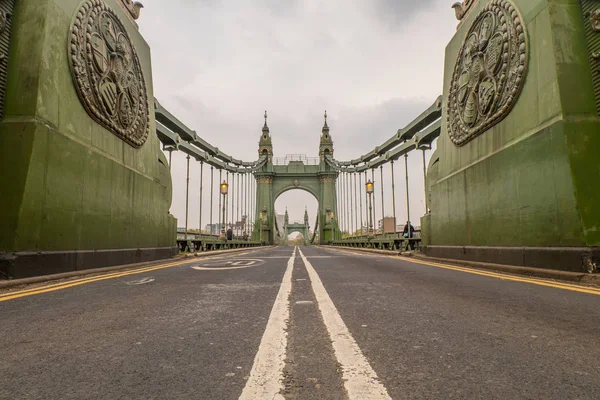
(489, 73)
(107, 73)
(296, 182)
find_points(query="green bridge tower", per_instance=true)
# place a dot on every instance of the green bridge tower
(317, 178)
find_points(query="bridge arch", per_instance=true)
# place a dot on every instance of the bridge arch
(287, 188)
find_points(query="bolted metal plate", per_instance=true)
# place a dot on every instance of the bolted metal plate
(6, 12)
(591, 22)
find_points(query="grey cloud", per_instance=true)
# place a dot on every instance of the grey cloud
(218, 65)
(395, 13)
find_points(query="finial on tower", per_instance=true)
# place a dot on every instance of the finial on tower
(325, 127)
(265, 127)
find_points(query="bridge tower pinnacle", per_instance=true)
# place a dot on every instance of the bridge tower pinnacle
(265, 145)
(326, 143)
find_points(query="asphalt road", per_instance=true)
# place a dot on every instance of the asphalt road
(305, 323)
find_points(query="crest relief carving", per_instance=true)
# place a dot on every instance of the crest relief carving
(490, 72)
(107, 73)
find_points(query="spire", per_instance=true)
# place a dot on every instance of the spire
(265, 147)
(265, 127)
(326, 143)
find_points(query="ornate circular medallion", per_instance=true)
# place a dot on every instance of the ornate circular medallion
(489, 73)
(107, 73)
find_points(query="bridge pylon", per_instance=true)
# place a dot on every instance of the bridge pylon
(313, 175)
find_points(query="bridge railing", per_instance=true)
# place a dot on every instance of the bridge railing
(382, 242)
(296, 158)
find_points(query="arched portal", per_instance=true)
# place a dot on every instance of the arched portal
(296, 207)
(296, 240)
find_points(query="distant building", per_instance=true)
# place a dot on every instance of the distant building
(213, 229)
(386, 225)
(280, 222)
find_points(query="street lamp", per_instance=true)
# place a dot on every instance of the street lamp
(224, 187)
(260, 218)
(370, 188)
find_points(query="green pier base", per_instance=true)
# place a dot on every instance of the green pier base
(73, 195)
(526, 191)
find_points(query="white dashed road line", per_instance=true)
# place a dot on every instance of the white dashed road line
(360, 381)
(266, 377)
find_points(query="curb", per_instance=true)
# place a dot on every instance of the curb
(45, 278)
(527, 271)
(374, 251)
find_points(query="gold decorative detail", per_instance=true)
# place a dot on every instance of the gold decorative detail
(489, 73)
(107, 73)
(265, 179)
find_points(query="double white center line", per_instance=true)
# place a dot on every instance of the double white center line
(266, 377)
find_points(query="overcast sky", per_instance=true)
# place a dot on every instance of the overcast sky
(374, 65)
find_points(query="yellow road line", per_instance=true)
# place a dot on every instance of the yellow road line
(68, 284)
(140, 270)
(82, 281)
(497, 275)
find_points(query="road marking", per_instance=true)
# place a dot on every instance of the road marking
(266, 376)
(245, 263)
(360, 381)
(278, 257)
(534, 281)
(77, 282)
(301, 302)
(306, 257)
(96, 278)
(497, 275)
(142, 281)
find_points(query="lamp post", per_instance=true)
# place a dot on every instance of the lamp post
(260, 218)
(224, 187)
(370, 188)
